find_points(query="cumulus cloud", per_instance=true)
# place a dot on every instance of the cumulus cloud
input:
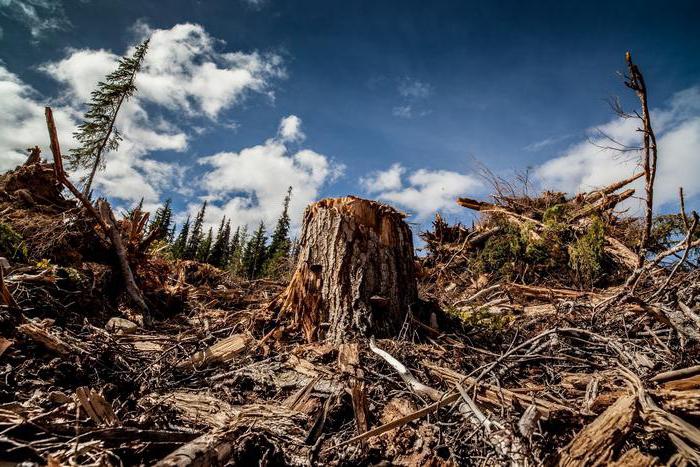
(592, 163)
(290, 129)
(426, 191)
(22, 123)
(183, 71)
(39, 16)
(249, 185)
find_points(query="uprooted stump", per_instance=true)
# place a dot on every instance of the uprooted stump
(355, 273)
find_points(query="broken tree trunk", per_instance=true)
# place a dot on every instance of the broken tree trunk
(355, 273)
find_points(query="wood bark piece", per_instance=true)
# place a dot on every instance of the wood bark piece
(97, 408)
(349, 363)
(595, 443)
(195, 407)
(496, 396)
(115, 236)
(220, 352)
(48, 340)
(594, 196)
(268, 427)
(5, 294)
(635, 458)
(355, 275)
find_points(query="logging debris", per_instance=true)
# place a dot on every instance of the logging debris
(528, 344)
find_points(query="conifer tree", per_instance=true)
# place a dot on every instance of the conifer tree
(204, 248)
(254, 254)
(98, 133)
(171, 233)
(180, 243)
(162, 220)
(195, 234)
(280, 244)
(236, 250)
(227, 251)
(219, 250)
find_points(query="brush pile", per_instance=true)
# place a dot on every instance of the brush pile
(539, 338)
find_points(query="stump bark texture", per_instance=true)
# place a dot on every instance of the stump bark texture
(355, 274)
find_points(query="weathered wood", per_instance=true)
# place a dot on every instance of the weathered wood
(635, 458)
(220, 352)
(48, 340)
(97, 408)
(355, 273)
(115, 236)
(595, 443)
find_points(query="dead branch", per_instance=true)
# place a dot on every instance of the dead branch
(635, 81)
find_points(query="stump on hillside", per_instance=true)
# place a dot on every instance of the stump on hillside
(355, 273)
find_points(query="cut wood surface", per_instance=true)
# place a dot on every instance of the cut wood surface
(220, 352)
(595, 444)
(355, 271)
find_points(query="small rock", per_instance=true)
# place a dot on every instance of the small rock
(121, 326)
(4, 263)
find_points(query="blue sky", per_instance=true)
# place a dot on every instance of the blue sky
(391, 100)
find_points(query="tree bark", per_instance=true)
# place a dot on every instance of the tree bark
(355, 273)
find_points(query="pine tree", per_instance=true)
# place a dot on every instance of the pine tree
(278, 252)
(254, 254)
(236, 251)
(220, 246)
(162, 220)
(98, 133)
(180, 243)
(227, 244)
(204, 248)
(196, 234)
(171, 233)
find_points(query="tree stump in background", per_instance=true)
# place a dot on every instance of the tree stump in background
(355, 274)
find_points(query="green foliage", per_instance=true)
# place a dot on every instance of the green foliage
(586, 253)
(481, 317)
(204, 248)
(254, 254)
(12, 245)
(669, 229)
(44, 264)
(236, 250)
(196, 235)
(162, 221)
(220, 249)
(280, 245)
(180, 243)
(98, 133)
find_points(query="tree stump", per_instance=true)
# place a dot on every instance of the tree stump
(355, 273)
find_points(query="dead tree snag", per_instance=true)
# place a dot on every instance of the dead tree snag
(355, 273)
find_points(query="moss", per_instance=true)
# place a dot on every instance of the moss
(586, 253)
(482, 318)
(11, 243)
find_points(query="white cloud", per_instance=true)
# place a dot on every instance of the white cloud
(590, 164)
(249, 185)
(39, 16)
(290, 129)
(383, 180)
(183, 71)
(22, 122)
(426, 192)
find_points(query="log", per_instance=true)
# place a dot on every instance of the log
(220, 352)
(594, 444)
(355, 274)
